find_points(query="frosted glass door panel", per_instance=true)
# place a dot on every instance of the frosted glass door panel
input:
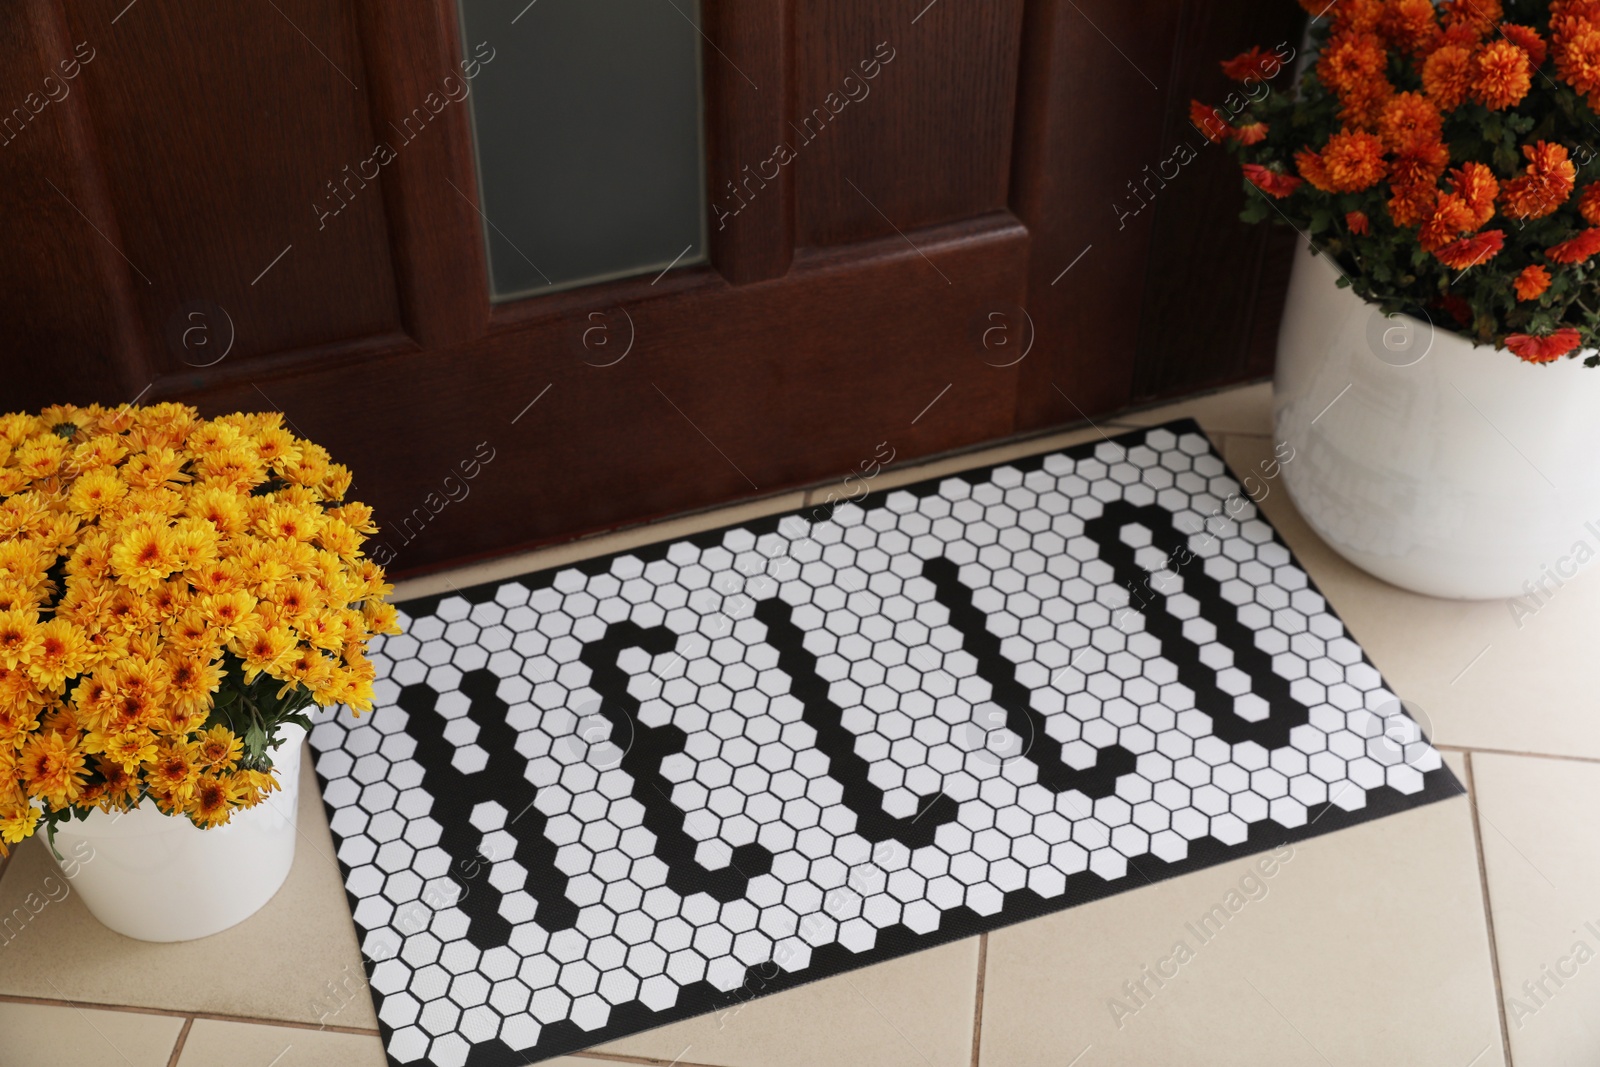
(587, 125)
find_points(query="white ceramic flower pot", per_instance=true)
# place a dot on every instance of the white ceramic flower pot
(1445, 467)
(157, 877)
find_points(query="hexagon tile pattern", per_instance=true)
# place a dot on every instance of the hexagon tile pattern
(597, 799)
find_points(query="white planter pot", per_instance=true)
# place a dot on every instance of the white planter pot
(158, 877)
(1445, 467)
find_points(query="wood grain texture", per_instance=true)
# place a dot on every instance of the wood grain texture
(1094, 99)
(220, 128)
(66, 293)
(430, 189)
(928, 140)
(748, 67)
(1216, 286)
(699, 413)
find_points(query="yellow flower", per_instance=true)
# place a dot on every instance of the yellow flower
(212, 800)
(276, 447)
(127, 749)
(19, 637)
(190, 683)
(222, 508)
(25, 559)
(172, 772)
(52, 768)
(225, 612)
(219, 749)
(144, 555)
(96, 493)
(119, 789)
(237, 468)
(17, 821)
(294, 523)
(61, 652)
(261, 645)
(40, 457)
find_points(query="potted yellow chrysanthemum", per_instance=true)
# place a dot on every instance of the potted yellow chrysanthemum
(175, 593)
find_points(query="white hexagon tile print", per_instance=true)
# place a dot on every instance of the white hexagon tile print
(600, 798)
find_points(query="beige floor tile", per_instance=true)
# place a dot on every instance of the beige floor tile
(1365, 947)
(225, 1044)
(914, 1011)
(296, 959)
(1238, 409)
(1537, 819)
(36, 1035)
(892, 476)
(505, 567)
(1482, 680)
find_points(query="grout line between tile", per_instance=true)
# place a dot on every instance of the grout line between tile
(977, 1006)
(1488, 911)
(612, 1057)
(1469, 749)
(89, 1005)
(177, 1049)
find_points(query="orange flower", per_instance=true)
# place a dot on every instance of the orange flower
(1274, 183)
(1545, 184)
(1357, 222)
(1209, 121)
(1544, 349)
(1477, 186)
(1353, 160)
(1450, 218)
(1532, 282)
(1478, 15)
(1251, 133)
(1410, 25)
(1309, 164)
(1447, 76)
(1470, 251)
(1575, 249)
(1256, 63)
(1578, 58)
(1351, 62)
(1501, 75)
(1423, 165)
(1409, 120)
(1527, 39)
(1589, 203)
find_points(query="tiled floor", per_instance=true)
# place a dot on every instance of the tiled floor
(1463, 934)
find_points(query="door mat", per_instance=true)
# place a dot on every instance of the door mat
(600, 798)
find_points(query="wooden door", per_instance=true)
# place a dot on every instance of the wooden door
(939, 263)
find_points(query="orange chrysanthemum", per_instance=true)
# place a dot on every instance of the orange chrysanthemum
(1209, 121)
(1577, 53)
(1544, 349)
(1447, 76)
(1477, 15)
(1477, 185)
(1471, 251)
(1589, 203)
(1423, 165)
(1532, 282)
(1274, 183)
(1409, 121)
(1501, 75)
(1576, 249)
(1544, 185)
(1353, 160)
(1351, 60)
(1357, 223)
(1527, 39)
(1450, 218)
(1251, 133)
(1309, 164)
(1256, 63)
(1410, 25)
(52, 768)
